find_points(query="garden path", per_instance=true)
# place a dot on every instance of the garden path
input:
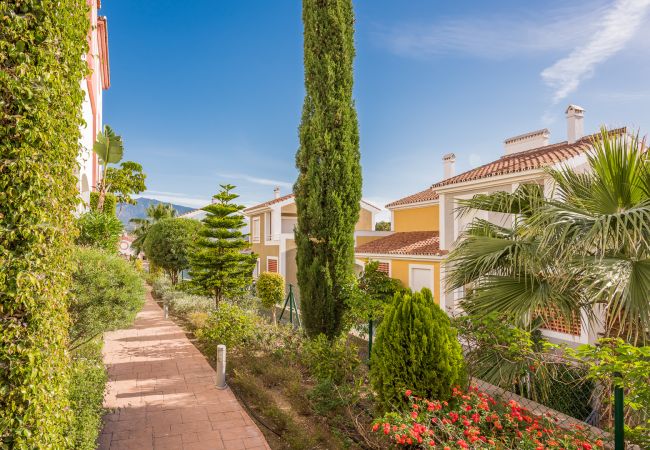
(162, 394)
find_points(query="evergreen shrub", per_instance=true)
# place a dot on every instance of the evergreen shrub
(416, 348)
(106, 294)
(99, 230)
(228, 325)
(42, 44)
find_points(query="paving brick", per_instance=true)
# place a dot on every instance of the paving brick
(161, 393)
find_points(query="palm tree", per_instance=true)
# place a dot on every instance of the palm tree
(109, 149)
(586, 247)
(155, 213)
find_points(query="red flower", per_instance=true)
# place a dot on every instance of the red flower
(375, 427)
(408, 392)
(462, 444)
(414, 414)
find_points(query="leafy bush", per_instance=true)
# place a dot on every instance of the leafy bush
(183, 304)
(475, 420)
(160, 285)
(169, 243)
(375, 291)
(228, 325)
(87, 387)
(270, 290)
(42, 45)
(99, 230)
(106, 294)
(110, 203)
(330, 360)
(416, 348)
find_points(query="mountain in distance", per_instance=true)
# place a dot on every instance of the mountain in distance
(139, 210)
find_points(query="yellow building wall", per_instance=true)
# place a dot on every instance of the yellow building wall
(263, 251)
(425, 218)
(399, 269)
(365, 220)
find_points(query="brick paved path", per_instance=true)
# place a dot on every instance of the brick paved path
(162, 393)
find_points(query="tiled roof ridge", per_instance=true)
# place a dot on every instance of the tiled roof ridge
(270, 202)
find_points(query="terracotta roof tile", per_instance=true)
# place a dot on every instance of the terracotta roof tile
(404, 243)
(536, 158)
(270, 202)
(422, 196)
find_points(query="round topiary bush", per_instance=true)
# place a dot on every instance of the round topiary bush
(416, 349)
(169, 243)
(270, 290)
(99, 230)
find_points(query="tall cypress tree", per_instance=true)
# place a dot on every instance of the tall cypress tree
(220, 266)
(328, 189)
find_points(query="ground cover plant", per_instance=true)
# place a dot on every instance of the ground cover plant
(473, 420)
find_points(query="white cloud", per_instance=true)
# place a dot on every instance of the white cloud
(177, 198)
(256, 180)
(498, 36)
(615, 29)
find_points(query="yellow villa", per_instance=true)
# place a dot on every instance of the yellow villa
(271, 234)
(425, 226)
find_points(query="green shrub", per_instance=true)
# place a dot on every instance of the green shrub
(169, 243)
(331, 360)
(229, 325)
(42, 49)
(87, 387)
(99, 230)
(106, 294)
(416, 348)
(110, 203)
(270, 290)
(183, 304)
(160, 285)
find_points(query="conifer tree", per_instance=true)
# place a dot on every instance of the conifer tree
(220, 266)
(416, 349)
(328, 189)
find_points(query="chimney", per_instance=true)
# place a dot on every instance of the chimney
(575, 116)
(528, 141)
(276, 192)
(449, 165)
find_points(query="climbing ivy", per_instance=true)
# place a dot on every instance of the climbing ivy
(42, 43)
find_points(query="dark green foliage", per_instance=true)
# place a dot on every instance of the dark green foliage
(106, 294)
(99, 230)
(110, 203)
(87, 387)
(382, 225)
(154, 213)
(220, 266)
(41, 68)
(328, 189)
(417, 349)
(169, 243)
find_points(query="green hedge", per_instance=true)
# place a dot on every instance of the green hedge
(106, 294)
(110, 203)
(100, 230)
(41, 68)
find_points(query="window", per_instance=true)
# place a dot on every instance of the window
(268, 228)
(256, 229)
(384, 267)
(272, 264)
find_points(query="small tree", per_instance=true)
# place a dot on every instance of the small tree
(168, 245)
(220, 264)
(270, 289)
(155, 213)
(417, 349)
(126, 181)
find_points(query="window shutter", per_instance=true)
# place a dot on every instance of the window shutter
(384, 267)
(272, 265)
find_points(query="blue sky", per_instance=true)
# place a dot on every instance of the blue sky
(209, 92)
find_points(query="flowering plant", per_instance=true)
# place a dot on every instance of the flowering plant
(474, 420)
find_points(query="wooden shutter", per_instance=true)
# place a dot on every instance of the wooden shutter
(384, 267)
(271, 265)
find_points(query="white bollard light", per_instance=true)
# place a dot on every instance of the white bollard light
(165, 311)
(221, 366)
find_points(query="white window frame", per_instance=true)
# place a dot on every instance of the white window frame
(255, 232)
(277, 262)
(268, 226)
(428, 267)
